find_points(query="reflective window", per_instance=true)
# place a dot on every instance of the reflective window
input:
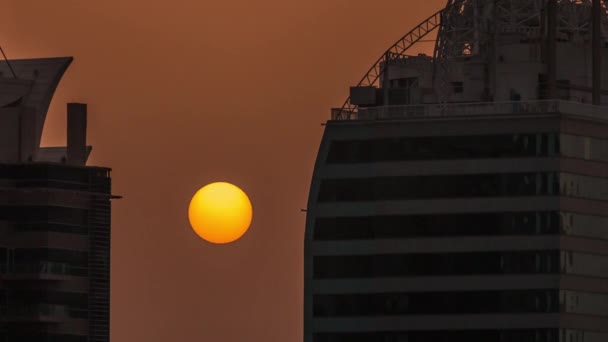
(52, 227)
(395, 265)
(468, 147)
(57, 176)
(583, 303)
(472, 302)
(584, 186)
(436, 303)
(50, 254)
(443, 147)
(584, 147)
(454, 186)
(450, 186)
(519, 335)
(33, 337)
(469, 224)
(32, 297)
(388, 227)
(584, 264)
(584, 225)
(570, 335)
(48, 261)
(37, 214)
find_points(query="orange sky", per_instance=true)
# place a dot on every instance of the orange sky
(182, 93)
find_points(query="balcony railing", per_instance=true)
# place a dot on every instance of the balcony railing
(473, 109)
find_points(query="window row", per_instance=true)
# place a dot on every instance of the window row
(443, 147)
(436, 303)
(463, 186)
(29, 215)
(23, 298)
(584, 147)
(80, 229)
(450, 264)
(53, 172)
(515, 335)
(32, 337)
(467, 147)
(469, 224)
(451, 303)
(25, 255)
(23, 310)
(406, 226)
(44, 261)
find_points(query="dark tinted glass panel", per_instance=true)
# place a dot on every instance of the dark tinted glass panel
(12, 337)
(583, 186)
(455, 147)
(394, 265)
(53, 227)
(584, 303)
(584, 147)
(452, 186)
(50, 254)
(48, 261)
(584, 264)
(537, 335)
(431, 303)
(387, 227)
(35, 214)
(57, 176)
(52, 171)
(72, 299)
(584, 225)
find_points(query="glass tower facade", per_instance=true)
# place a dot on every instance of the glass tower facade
(491, 228)
(54, 253)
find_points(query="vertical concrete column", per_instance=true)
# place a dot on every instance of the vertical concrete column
(77, 133)
(386, 82)
(597, 51)
(552, 49)
(27, 132)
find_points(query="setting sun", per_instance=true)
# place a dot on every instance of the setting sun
(220, 212)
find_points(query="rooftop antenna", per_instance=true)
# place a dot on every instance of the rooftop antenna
(8, 63)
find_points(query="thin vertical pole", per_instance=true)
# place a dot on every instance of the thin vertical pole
(7, 62)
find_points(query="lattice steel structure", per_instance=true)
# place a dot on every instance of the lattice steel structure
(474, 28)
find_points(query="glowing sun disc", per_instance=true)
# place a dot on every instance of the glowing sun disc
(220, 213)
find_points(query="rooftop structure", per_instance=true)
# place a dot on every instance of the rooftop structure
(493, 51)
(54, 216)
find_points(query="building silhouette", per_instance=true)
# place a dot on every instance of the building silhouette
(54, 216)
(464, 196)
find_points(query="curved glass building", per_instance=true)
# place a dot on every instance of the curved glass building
(464, 196)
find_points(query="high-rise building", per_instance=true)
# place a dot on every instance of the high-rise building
(464, 196)
(54, 216)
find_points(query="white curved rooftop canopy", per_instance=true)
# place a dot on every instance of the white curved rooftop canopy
(25, 97)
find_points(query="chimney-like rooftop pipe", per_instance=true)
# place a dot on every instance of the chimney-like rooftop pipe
(77, 134)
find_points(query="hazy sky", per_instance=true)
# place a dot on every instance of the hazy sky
(182, 93)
